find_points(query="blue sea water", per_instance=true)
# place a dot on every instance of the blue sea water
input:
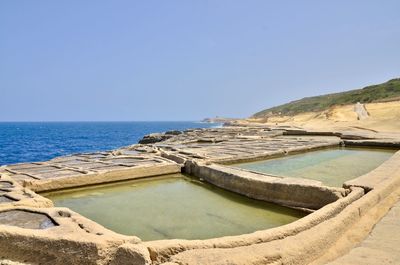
(41, 141)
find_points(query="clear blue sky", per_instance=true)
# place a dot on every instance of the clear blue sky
(186, 60)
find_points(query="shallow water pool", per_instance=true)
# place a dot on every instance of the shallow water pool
(331, 166)
(173, 207)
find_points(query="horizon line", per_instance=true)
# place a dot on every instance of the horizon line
(102, 121)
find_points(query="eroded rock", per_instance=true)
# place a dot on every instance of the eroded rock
(155, 138)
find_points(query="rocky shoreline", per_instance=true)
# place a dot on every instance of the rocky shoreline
(204, 154)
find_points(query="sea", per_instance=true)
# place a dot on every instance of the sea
(41, 141)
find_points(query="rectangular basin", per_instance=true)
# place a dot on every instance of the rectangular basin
(174, 206)
(331, 166)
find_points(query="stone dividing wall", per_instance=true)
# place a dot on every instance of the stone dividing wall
(373, 143)
(293, 192)
(100, 178)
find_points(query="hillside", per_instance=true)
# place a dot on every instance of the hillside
(387, 91)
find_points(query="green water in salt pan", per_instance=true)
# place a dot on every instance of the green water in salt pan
(332, 167)
(173, 207)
